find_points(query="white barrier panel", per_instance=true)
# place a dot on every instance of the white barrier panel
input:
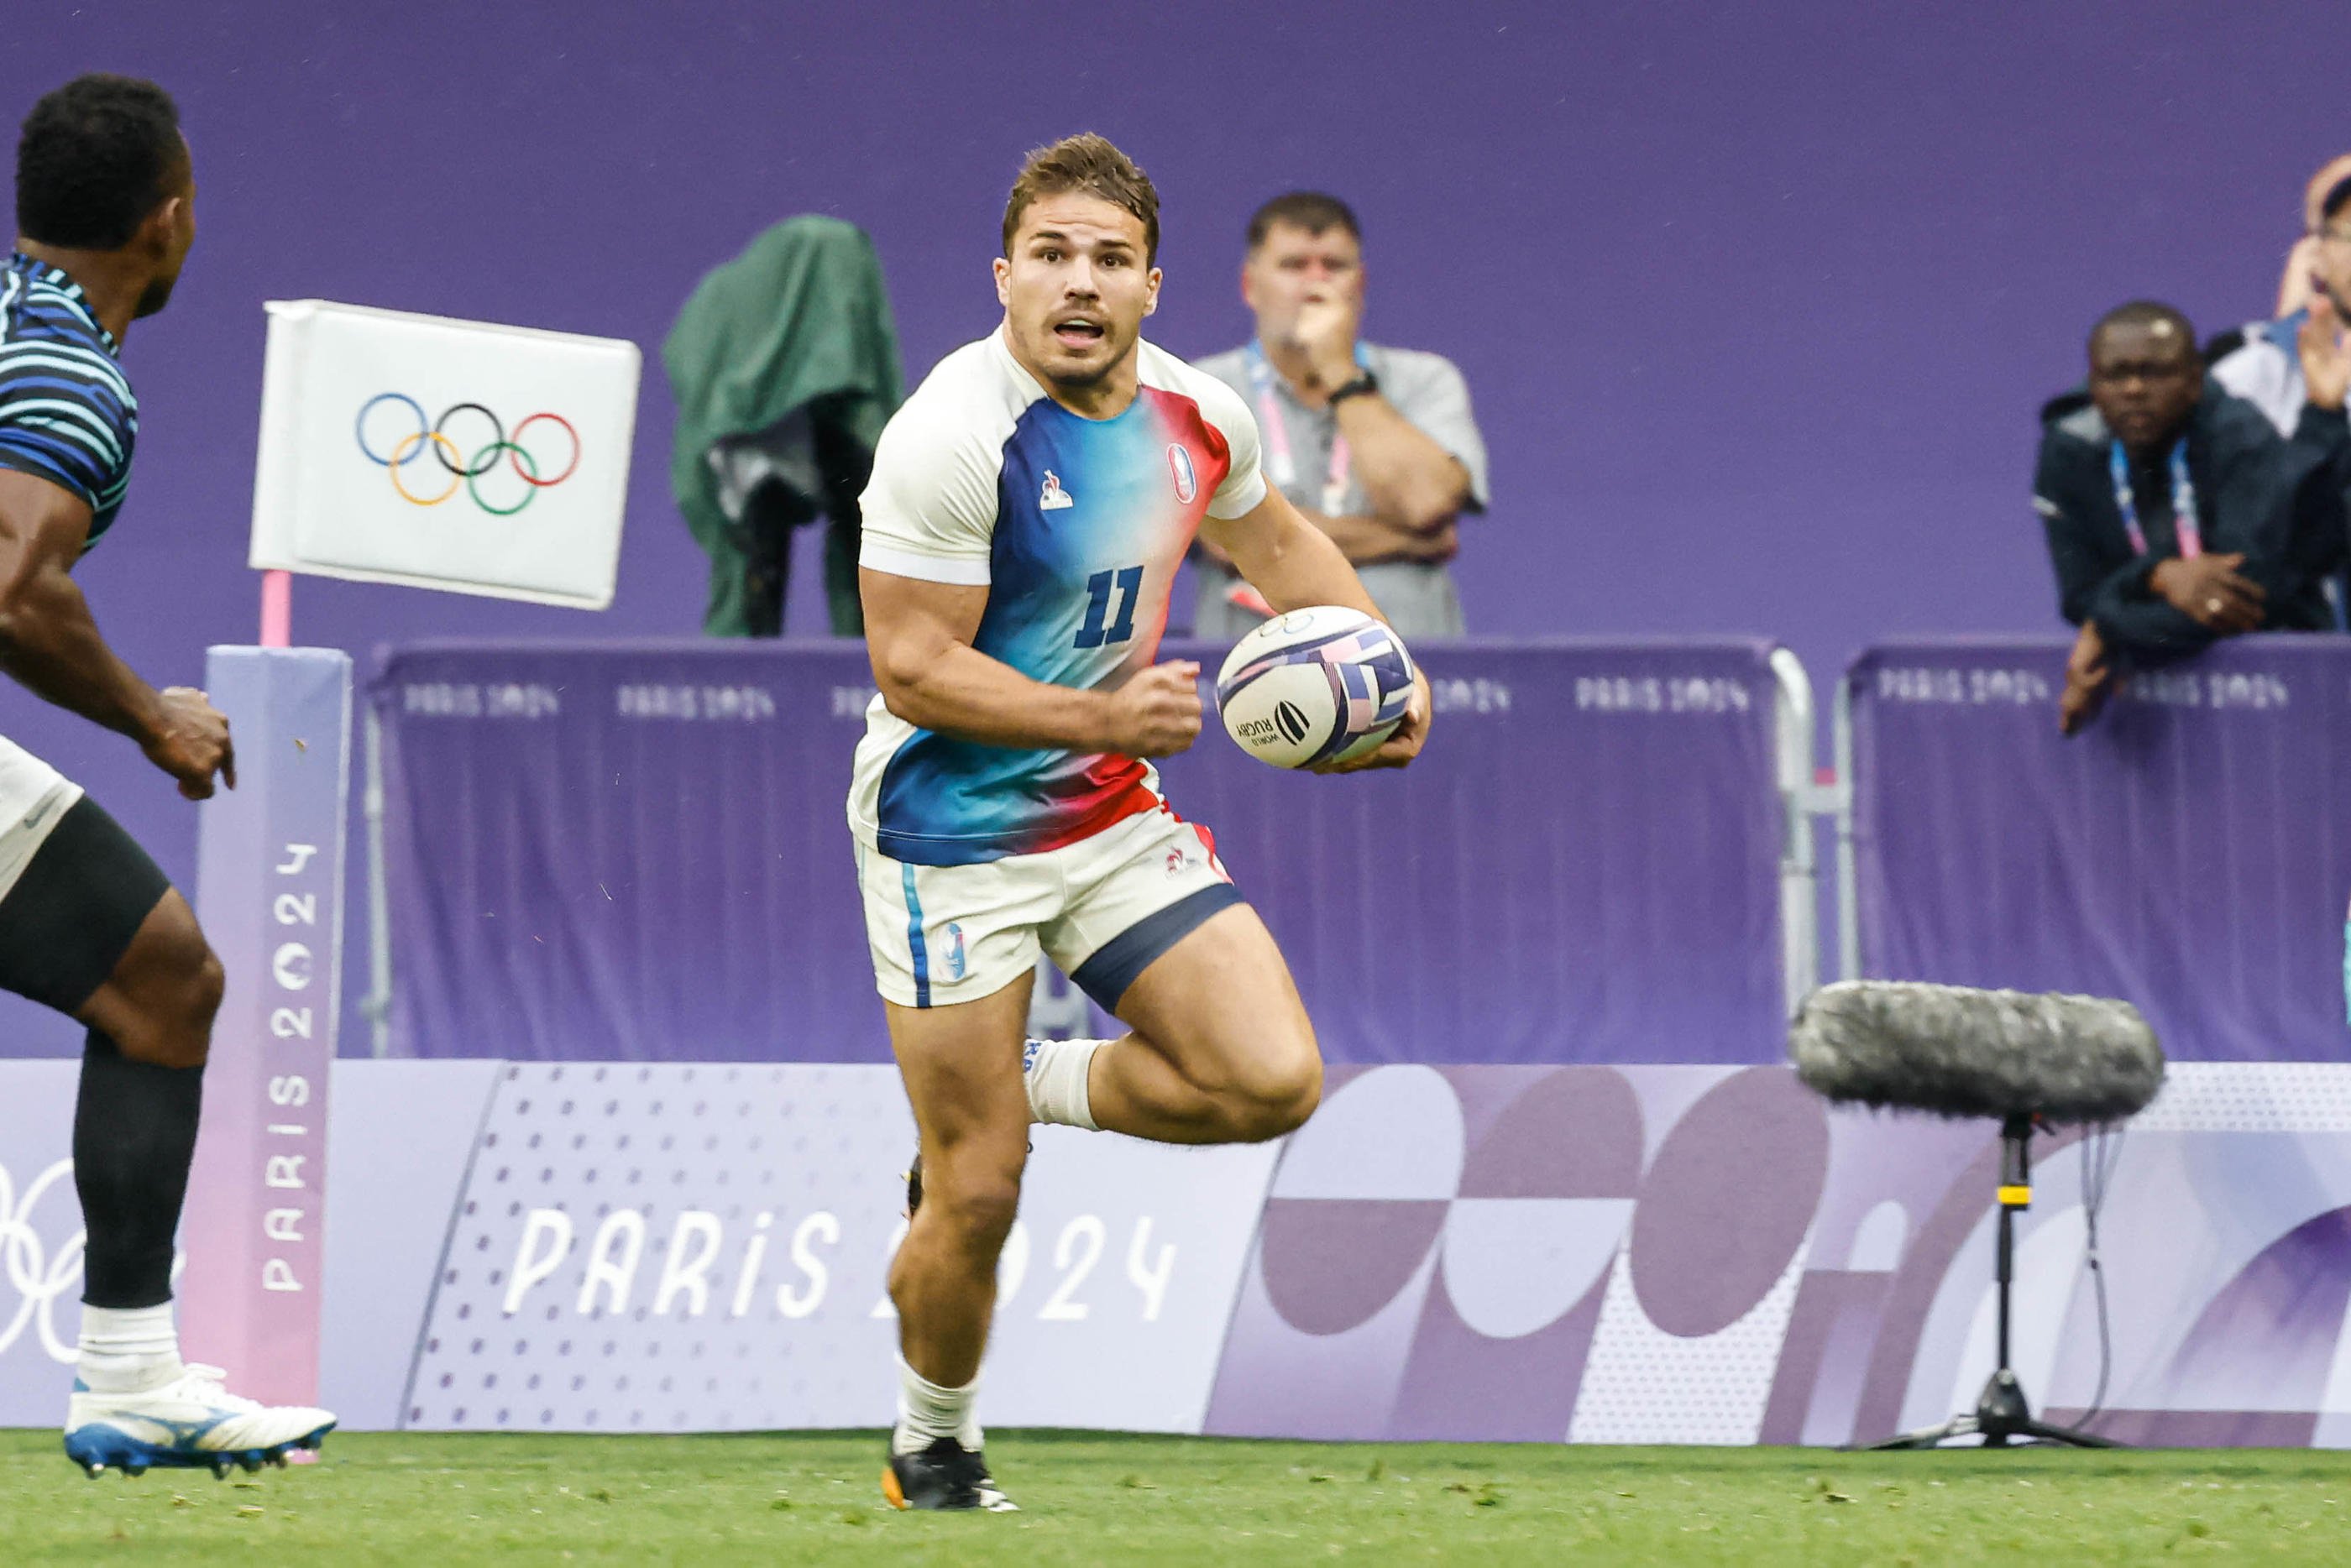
(444, 455)
(705, 1248)
(40, 1242)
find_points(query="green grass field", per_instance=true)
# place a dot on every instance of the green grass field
(449, 1501)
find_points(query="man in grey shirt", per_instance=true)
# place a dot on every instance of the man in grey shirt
(1375, 445)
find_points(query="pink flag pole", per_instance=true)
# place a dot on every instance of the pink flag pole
(276, 609)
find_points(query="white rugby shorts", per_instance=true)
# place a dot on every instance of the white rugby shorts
(1103, 907)
(33, 797)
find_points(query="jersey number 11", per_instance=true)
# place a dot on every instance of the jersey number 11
(1128, 580)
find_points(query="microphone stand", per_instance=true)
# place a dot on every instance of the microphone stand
(2001, 1415)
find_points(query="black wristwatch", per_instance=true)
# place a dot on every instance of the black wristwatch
(1364, 381)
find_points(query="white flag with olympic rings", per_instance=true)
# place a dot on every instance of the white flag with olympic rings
(443, 454)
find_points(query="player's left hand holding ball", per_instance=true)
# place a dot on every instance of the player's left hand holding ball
(1326, 689)
(1401, 746)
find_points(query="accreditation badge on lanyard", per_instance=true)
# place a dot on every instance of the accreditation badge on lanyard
(2183, 501)
(1279, 465)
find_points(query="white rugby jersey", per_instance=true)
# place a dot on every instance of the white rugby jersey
(1076, 527)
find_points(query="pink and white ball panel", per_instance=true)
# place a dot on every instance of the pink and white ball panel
(1314, 685)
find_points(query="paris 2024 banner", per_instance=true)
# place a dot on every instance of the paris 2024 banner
(1645, 1253)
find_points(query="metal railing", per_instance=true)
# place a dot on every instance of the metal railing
(1800, 926)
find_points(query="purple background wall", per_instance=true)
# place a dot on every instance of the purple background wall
(1756, 307)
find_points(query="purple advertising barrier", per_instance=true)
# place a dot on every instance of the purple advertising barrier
(1654, 1254)
(2189, 853)
(1591, 1254)
(270, 894)
(624, 851)
(639, 852)
(1581, 1253)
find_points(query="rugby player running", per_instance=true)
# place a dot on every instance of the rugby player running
(1028, 508)
(88, 925)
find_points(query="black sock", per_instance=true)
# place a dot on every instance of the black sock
(134, 1137)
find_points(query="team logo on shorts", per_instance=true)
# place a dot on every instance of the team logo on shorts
(1187, 482)
(954, 950)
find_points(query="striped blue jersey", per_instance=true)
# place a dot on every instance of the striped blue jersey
(66, 412)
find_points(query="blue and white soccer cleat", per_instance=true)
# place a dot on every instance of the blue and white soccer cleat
(190, 1423)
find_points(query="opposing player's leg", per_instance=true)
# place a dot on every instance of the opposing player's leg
(961, 1069)
(158, 1002)
(1222, 1049)
(91, 928)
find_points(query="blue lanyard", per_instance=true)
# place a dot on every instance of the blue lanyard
(2183, 501)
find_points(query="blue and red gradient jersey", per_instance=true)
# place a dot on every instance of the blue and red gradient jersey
(1076, 528)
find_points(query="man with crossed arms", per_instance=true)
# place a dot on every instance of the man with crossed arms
(1375, 446)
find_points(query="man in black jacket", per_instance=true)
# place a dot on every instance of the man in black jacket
(2175, 514)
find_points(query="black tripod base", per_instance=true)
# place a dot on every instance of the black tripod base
(2002, 1419)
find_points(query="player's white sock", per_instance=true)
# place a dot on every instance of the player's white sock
(1055, 1071)
(128, 1350)
(927, 1412)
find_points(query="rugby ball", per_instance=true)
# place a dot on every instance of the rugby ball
(1314, 685)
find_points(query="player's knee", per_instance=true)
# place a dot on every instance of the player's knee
(188, 1000)
(200, 1001)
(1300, 1092)
(1280, 1098)
(975, 1190)
(179, 996)
(980, 1210)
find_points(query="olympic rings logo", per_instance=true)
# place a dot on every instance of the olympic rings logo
(434, 437)
(38, 1278)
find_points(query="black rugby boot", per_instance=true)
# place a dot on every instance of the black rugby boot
(944, 1477)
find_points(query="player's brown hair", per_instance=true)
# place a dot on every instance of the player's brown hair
(1089, 164)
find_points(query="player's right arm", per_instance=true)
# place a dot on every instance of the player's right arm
(929, 516)
(919, 635)
(49, 642)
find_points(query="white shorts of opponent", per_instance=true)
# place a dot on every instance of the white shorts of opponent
(1102, 909)
(33, 797)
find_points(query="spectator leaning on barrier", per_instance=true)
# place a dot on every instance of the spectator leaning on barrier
(2177, 514)
(1375, 445)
